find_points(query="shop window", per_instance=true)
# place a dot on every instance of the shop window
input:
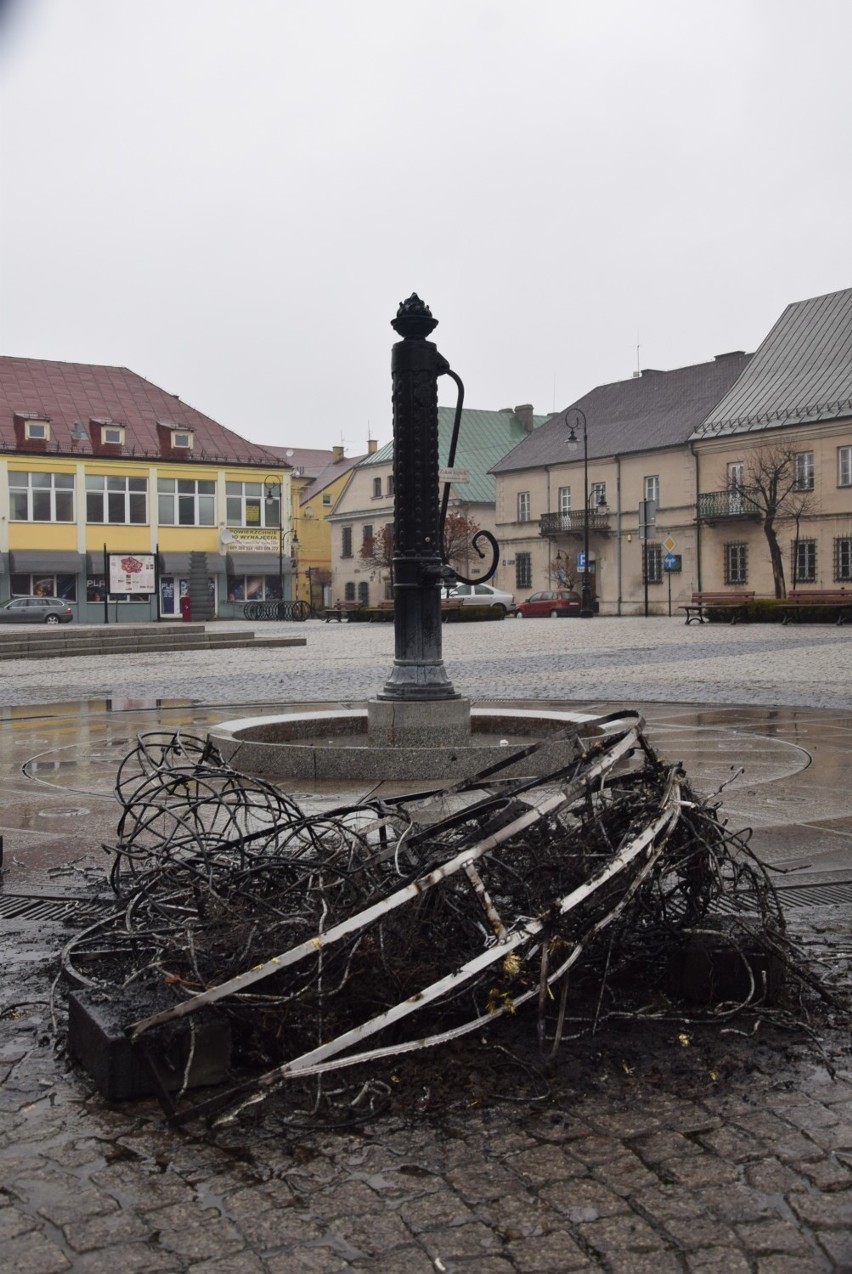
(43, 585)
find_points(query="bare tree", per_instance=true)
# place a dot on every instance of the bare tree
(377, 550)
(771, 486)
(564, 571)
(458, 534)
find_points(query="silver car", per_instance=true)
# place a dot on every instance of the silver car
(36, 610)
(482, 595)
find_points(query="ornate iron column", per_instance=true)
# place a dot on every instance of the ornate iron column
(418, 671)
(418, 675)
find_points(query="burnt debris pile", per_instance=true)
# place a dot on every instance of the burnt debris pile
(335, 939)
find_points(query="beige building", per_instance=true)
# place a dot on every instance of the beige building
(781, 441)
(721, 448)
(630, 443)
(366, 505)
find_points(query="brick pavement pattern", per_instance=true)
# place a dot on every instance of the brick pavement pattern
(748, 1172)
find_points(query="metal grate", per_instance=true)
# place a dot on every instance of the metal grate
(832, 894)
(38, 908)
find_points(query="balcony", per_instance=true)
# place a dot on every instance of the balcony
(573, 524)
(719, 506)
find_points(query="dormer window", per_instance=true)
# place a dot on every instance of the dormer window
(182, 439)
(112, 435)
(37, 430)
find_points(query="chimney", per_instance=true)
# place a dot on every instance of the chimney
(372, 446)
(336, 454)
(524, 414)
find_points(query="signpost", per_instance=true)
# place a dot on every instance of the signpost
(671, 562)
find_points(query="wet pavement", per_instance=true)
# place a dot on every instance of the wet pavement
(731, 1156)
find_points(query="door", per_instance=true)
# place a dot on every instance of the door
(172, 589)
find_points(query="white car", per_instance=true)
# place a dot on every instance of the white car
(481, 595)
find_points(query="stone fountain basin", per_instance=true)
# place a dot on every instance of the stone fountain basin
(334, 744)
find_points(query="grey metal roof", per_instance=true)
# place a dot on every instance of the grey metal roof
(801, 372)
(484, 437)
(656, 409)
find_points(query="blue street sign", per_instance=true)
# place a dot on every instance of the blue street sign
(671, 562)
(581, 561)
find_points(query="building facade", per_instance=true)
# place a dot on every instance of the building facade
(581, 477)
(362, 518)
(97, 465)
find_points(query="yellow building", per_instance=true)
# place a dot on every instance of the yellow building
(318, 478)
(123, 500)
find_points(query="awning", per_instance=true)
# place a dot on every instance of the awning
(59, 560)
(174, 564)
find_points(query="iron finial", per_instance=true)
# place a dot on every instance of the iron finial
(413, 318)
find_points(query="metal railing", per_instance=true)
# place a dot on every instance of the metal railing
(727, 504)
(573, 523)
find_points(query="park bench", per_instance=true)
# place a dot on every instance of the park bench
(736, 603)
(339, 609)
(797, 599)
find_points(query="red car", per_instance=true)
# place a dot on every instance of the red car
(554, 604)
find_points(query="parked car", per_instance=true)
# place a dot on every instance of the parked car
(559, 602)
(481, 595)
(36, 610)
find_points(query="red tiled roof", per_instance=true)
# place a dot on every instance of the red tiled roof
(69, 392)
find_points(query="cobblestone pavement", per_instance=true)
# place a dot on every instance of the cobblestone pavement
(661, 660)
(706, 1152)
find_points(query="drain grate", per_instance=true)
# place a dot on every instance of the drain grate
(39, 908)
(36, 908)
(831, 894)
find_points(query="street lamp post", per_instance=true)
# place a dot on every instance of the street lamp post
(586, 608)
(270, 484)
(586, 611)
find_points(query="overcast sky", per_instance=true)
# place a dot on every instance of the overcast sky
(232, 198)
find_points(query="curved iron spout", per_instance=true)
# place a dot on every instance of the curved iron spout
(446, 370)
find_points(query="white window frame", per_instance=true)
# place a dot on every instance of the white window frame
(37, 430)
(114, 490)
(563, 500)
(652, 488)
(59, 488)
(242, 497)
(183, 439)
(171, 500)
(844, 466)
(804, 470)
(524, 506)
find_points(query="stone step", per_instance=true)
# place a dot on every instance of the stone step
(144, 643)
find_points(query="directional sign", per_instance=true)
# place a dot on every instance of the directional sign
(456, 475)
(672, 562)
